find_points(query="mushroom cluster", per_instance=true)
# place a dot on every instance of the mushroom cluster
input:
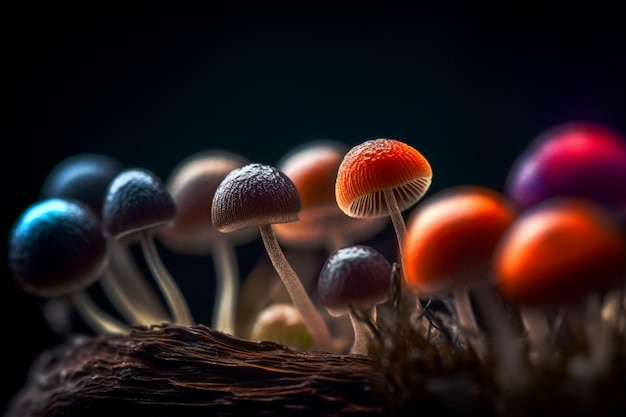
(516, 284)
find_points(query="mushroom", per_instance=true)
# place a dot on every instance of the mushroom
(355, 276)
(383, 177)
(259, 195)
(192, 185)
(86, 177)
(576, 159)
(56, 249)
(448, 248)
(562, 253)
(313, 169)
(282, 323)
(137, 203)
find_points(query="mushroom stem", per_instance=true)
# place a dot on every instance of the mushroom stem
(362, 334)
(511, 369)
(538, 334)
(312, 318)
(467, 321)
(101, 322)
(399, 224)
(599, 337)
(128, 290)
(173, 296)
(227, 286)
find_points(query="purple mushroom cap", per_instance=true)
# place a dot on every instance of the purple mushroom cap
(578, 159)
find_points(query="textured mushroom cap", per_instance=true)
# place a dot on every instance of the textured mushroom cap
(578, 159)
(313, 169)
(358, 275)
(56, 247)
(252, 196)
(558, 251)
(84, 177)
(192, 185)
(451, 237)
(136, 200)
(377, 165)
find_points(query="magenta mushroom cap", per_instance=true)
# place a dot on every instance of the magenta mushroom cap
(136, 200)
(578, 159)
(354, 275)
(56, 247)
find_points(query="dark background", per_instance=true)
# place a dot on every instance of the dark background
(468, 86)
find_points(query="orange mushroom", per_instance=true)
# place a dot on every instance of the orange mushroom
(559, 252)
(448, 247)
(313, 169)
(563, 253)
(382, 177)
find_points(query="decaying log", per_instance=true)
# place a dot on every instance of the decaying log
(191, 371)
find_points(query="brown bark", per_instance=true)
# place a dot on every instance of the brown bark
(176, 370)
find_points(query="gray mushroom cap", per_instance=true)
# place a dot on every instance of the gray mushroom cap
(355, 275)
(252, 196)
(136, 200)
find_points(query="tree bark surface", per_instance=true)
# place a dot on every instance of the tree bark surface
(174, 370)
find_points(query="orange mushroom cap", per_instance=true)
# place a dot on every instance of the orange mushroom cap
(558, 251)
(313, 169)
(451, 237)
(377, 165)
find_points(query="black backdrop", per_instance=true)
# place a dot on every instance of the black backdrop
(468, 86)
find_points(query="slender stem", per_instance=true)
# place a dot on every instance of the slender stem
(227, 286)
(312, 318)
(129, 289)
(599, 337)
(467, 321)
(127, 303)
(538, 330)
(511, 368)
(399, 224)
(173, 296)
(100, 321)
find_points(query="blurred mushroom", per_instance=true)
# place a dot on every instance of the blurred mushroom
(136, 205)
(258, 195)
(563, 253)
(192, 185)
(56, 249)
(322, 224)
(448, 248)
(577, 159)
(282, 323)
(86, 177)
